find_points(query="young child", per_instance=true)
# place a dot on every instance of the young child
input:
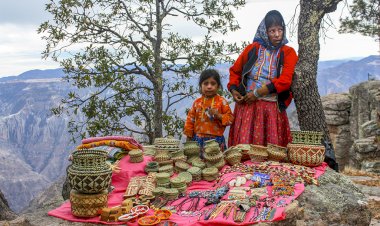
(210, 113)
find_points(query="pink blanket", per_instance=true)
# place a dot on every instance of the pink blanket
(120, 181)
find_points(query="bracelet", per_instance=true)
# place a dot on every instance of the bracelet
(255, 93)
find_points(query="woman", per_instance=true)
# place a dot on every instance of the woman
(260, 80)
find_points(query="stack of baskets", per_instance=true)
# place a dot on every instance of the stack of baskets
(233, 156)
(212, 154)
(191, 150)
(89, 176)
(166, 169)
(171, 193)
(163, 157)
(163, 180)
(186, 176)
(181, 166)
(178, 183)
(258, 153)
(199, 163)
(306, 148)
(196, 173)
(178, 156)
(136, 156)
(210, 174)
(158, 191)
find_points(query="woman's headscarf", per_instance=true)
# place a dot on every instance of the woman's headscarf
(261, 33)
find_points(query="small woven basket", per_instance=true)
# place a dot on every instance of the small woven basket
(306, 155)
(258, 153)
(277, 153)
(186, 176)
(244, 148)
(210, 174)
(199, 163)
(233, 158)
(191, 148)
(213, 158)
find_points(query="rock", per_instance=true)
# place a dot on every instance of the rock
(19, 221)
(5, 212)
(371, 166)
(337, 118)
(334, 202)
(369, 128)
(364, 106)
(336, 102)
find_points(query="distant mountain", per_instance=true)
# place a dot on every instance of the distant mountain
(338, 77)
(35, 74)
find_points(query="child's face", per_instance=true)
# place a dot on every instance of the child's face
(209, 87)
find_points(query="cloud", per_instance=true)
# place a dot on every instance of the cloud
(23, 11)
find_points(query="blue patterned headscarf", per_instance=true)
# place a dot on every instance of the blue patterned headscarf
(262, 36)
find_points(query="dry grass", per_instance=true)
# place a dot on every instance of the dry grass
(374, 207)
(350, 171)
(372, 183)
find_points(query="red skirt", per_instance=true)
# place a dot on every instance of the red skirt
(259, 123)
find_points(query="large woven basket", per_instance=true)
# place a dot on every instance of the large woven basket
(277, 153)
(307, 137)
(89, 182)
(306, 155)
(87, 205)
(258, 153)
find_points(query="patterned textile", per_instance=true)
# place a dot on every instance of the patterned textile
(264, 70)
(113, 143)
(131, 140)
(259, 123)
(198, 121)
(113, 153)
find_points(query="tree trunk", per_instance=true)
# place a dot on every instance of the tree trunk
(306, 96)
(158, 87)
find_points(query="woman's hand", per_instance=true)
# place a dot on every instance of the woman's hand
(238, 98)
(250, 98)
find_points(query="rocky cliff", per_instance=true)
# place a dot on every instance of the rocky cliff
(353, 122)
(34, 144)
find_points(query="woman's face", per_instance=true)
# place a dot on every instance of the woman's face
(209, 87)
(275, 34)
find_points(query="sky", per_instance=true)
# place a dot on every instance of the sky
(21, 46)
